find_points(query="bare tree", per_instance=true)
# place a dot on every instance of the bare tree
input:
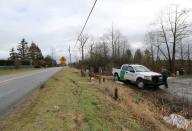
(112, 42)
(92, 43)
(118, 42)
(189, 64)
(153, 42)
(182, 48)
(83, 39)
(174, 27)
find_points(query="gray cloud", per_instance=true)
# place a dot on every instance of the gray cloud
(55, 24)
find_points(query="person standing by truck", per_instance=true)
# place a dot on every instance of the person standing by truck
(165, 74)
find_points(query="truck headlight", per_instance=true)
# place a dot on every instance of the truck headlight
(147, 77)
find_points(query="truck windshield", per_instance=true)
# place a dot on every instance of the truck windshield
(141, 69)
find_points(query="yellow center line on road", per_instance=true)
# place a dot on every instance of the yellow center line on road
(23, 76)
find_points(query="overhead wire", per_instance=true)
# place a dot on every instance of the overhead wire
(86, 21)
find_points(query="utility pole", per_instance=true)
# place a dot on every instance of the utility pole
(52, 55)
(69, 54)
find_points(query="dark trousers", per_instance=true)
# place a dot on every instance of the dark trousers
(165, 81)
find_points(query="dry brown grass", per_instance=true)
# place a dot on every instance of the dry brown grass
(77, 119)
(142, 108)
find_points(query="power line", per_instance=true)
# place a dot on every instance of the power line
(86, 21)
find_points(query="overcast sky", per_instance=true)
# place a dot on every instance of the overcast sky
(54, 24)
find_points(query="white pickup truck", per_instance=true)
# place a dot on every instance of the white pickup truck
(138, 74)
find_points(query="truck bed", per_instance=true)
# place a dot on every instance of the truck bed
(115, 70)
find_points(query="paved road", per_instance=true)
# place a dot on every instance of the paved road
(13, 88)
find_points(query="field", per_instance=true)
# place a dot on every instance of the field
(12, 71)
(70, 102)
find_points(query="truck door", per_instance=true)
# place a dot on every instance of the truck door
(123, 71)
(130, 74)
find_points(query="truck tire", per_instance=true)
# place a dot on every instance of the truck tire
(116, 77)
(140, 83)
(156, 87)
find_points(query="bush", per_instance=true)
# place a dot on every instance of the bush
(6, 62)
(25, 62)
(12, 62)
(39, 63)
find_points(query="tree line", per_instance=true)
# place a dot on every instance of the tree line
(111, 50)
(170, 38)
(30, 55)
(167, 44)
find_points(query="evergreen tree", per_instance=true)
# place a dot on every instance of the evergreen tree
(138, 57)
(13, 54)
(129, 56)
(49, 61)
(147, 58)
(23, 50)
(35, 54)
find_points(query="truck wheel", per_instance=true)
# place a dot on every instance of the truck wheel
(140, 83)
(156, 87)
(116, 77)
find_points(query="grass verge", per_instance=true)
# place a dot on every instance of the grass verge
(69, 102)
(13, 71)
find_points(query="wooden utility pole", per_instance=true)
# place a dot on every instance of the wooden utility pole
(69, 54)
(52, 55)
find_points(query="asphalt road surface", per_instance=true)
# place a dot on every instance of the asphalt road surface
(15, 87)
